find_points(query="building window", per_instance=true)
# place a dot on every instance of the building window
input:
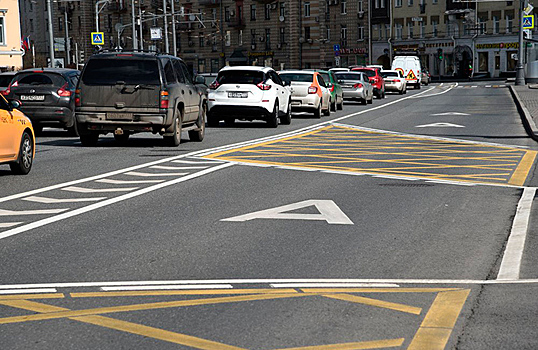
(268, 11)
(409, 2)
(377, 5)
(240, 37)
(228, 38)
(282, 35)
(387, 30)
(227, 14)
(409, 30)
(307, 9)
(253, 36)
(201, 40)
(307, 33)
(201, 65)
(253, 12)
(283, 9)
(434, 2)
(360, 5)
(328, 33)
(481, 26)
(60, 24)
(343, 7)
(343, 35)
(32, 25)
(360, 32)
(435, 23)
(382, 3)
(398, 3)
(422, 29)
(398, 31)
(214, 14)
(375, 29)
(268, 38)
(509, 23)
(496, 25)
(2, 31)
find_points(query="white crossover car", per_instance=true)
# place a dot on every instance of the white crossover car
(248, 93)
(394, 81)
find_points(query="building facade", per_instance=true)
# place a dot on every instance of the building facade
(11, 51)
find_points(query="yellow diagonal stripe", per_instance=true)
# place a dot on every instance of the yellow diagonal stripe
(375, 302)
(375, 344)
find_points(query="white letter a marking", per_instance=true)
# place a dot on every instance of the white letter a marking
(328, 211)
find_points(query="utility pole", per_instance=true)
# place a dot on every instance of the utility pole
(166, 44)
(174, 38)
(135, 41)
(67, 44)
(51, 34)
(520, 68)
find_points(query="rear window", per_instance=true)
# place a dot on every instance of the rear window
(128, 71)
(348, 76)
(240, 77)
(389, 74)
(326, 77)
(298, 77)
(369, 72)
(32, 78)
(5, 80)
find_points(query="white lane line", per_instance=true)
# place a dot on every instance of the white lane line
(216, 162)
(333, 285)
(163, 167)
(200, 283)
(97, 190)
(107, 202)
(136, 173)
(513, 253)
(168, 287)
(9, 224)
(47, 200)
(29, 291)
(128, 182)
(4, 212)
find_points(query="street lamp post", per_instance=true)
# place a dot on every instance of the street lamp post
(135, 41)
(51, 34)
(520, 69)
(166, 44)
(97, 10)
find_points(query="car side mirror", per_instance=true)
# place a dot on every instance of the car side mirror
(330, 85)
(199, 79)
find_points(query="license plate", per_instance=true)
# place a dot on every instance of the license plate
(32, 97)
(237, 94)
(119, 116)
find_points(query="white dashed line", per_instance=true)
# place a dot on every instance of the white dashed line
(46, 200)
(4, 212)
(136, 173)
(97, 190)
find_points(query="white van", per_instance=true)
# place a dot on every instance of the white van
(410, 68)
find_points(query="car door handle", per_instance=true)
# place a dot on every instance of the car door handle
(183, 91)
(190, 92)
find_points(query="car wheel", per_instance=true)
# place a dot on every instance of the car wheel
(340, 106)
(38, 129)
(89, 139)
(317, 112)
(417, 86)
(333, 105)
(122, 138)
(24, 161)
(273, 118)
(401, 92)
(370, 101)
(327, 112)
(364, 101)
(199, 133)
(286, 119)
(175, 139)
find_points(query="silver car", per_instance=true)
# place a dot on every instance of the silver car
(356, 86)
(394, 81)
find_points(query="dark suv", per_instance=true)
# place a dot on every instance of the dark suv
(47, 96)
(129, 92)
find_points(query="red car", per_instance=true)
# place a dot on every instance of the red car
(376, 79)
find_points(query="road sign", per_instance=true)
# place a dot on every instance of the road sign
(98, 38)
(155, 33)
(528, 33)
(528, 22)
(336, 47)
(528, 9)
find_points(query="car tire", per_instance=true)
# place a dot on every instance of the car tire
(25, 159)
(340, 106)
(122, 139)
(417, 86)
(317, 112)
(327, 112)
(38, 129)
(364, 101)
(198, 134)
(175, 139)
(370, 101)
(273, 117)
(333, 106)
(286, 119)
(401, 92)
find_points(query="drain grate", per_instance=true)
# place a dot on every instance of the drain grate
(406, 185)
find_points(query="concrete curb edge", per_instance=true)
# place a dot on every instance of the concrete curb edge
(526, 117)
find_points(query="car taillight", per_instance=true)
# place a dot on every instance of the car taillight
(312, 89)
(264, 86)
(332, 88)
(357, 86)
(63, 92)
(396, 80)
(214, 85)
(77, 98)
(164, 99)
(8, 90)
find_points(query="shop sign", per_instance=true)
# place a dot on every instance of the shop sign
(497, 46)
(261, 54)
(357, 50)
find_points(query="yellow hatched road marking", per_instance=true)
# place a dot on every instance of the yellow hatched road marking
(32, 296)
(182, 292)
(125, 326)
(375, 344)
(522, 171)
(376, 303)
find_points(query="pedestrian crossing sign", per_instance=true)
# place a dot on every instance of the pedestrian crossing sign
(528, 22)
(98, 38)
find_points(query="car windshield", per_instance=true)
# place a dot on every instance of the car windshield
(326, 77)
(297, 77)
(349, 76)
(38, 78)
(5, 80)
(389, 74)
(240, 77)
(368, 72)
(129, 71)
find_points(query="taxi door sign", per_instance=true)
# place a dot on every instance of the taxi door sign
(98, 38)
(411, 76)
(528, 22)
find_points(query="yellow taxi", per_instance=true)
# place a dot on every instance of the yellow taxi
(17, 139)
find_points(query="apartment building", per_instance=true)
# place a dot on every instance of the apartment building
(11, 51)
(478, 37)
(207, 34)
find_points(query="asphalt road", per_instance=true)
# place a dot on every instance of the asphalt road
(381, 226)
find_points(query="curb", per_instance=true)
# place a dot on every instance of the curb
(525, 115)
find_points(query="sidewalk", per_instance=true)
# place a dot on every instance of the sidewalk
(526, 99)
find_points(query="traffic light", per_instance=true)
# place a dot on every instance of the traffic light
(440, 54)
(81, 56)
